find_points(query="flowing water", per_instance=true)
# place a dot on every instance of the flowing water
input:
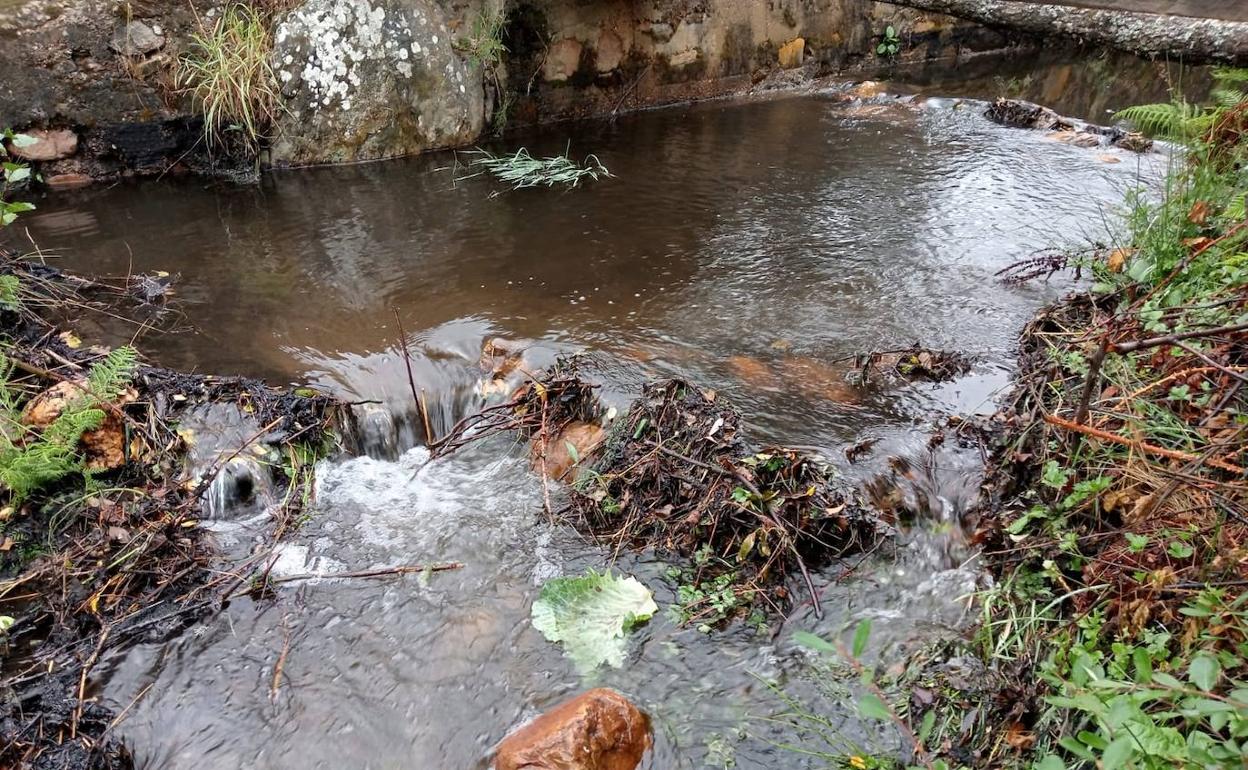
(752, 247)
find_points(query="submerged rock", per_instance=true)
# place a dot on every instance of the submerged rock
(563, 452)
(371, 79)
(597, 730)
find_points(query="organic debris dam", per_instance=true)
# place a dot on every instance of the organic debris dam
(754, 249)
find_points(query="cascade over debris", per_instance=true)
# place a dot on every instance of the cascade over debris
(677, 473)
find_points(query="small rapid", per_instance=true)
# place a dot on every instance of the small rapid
(753, 248)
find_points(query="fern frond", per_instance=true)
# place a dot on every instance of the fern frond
(111, 374)
(1176, 120)
(1225, 75)
(1228, 98)
(10, 292)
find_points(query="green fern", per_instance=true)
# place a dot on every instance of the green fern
(1184, 122)
(111, 374)
(1177, 120)
(31, 460)
(10, 292)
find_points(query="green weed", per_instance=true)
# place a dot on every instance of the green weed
(230, 78)
(890, 43)
(15, 174)
(522, 170)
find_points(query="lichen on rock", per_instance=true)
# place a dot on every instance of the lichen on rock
(370, 79)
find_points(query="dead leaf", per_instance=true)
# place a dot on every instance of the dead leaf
(70, 339)
(1109, 158)
(1199, 213)
(1019, 737)
(1118, 259)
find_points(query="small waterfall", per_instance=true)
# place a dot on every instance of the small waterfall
(393, 413)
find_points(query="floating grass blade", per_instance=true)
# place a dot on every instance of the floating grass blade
(521, 169)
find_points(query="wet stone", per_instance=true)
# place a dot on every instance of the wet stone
(1015, 113)
(136, 39)
(48, 145)
(597, 730)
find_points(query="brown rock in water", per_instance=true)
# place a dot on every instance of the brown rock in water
(816, 379)
(68, 181)
(584, 438)
(1077, 138)
(49, 145)
(753, 372)
(597, 730)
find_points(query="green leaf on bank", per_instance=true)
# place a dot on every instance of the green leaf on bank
(872, 707)
(1203, 671)
(591, 615)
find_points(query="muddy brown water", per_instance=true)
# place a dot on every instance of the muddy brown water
(749, 246)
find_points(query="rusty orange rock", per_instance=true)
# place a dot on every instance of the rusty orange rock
(597, 730)
(792, 53)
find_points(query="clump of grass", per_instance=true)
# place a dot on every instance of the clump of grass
(229, 75)
(483, 45)
(522, 170)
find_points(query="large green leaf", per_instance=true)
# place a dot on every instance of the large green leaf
(591, 614)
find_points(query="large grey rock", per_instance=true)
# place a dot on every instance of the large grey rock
(366, 79)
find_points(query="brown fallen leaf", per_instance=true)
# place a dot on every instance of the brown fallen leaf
(1199, 213)
(1019, 737)
(1118, 259)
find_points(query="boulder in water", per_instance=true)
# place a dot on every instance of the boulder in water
(597, 730)
(365, 79)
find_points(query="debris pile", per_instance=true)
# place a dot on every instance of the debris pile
(676, 473)
(99, 540)
(913, 364)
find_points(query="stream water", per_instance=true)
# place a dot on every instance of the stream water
(752, 247)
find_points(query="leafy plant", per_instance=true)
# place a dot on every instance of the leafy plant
(10, 292)
(229, 75)
(874, 704)
(591, 614)
(1184, 122)
(708, 602)
(522, 170)
(483, 45)
(1156, 702)
(15, 173)
(890, 43)
(31, 460)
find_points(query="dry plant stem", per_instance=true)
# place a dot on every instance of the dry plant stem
(371, 573)
(1098, 358)
(411, 380)
(1142, 446)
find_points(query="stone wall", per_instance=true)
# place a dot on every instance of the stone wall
(571, 59)
(365, 79)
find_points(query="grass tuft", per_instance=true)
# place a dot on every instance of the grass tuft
(230, 78)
